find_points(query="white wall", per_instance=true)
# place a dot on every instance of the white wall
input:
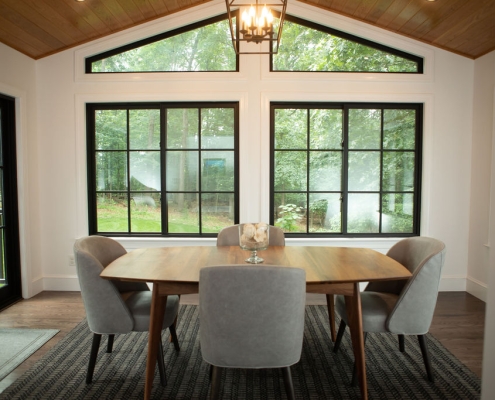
(487, 66)
(483, 126)
(18, 80)
(63, 89)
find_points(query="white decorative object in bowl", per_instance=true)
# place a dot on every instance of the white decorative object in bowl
(254, 237)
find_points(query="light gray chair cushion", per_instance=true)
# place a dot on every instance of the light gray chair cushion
(230, 236)
(251, 316)
(405, 306)
(107, 311)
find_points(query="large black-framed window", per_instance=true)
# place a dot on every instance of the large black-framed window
(162, 169)
(346, 169)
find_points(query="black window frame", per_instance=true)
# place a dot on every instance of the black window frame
(91, 108)
(346, 106)
(143, 42)
(353, 38)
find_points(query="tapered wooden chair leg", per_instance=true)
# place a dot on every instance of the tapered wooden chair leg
(173, 335)
(216, 380)
(92, 357)
(289, 387)
(426, 357)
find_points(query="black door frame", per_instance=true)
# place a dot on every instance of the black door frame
(9, 222)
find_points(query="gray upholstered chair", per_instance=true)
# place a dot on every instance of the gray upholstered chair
(114, 307)
(229, 236)
(403, 307)
(251, 317)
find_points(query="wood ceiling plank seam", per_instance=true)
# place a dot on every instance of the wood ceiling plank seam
(60, 23)
(408, 12)
(350, 6)
(37, 14)
(131, 9)
(416, 20)
(458, 29)
(160, 7)
(30, 28)
(454, 19)
(72, 16)
(338, 5)
(364, 8)
(112, 23)
(119, 14)
(442, 13)
(475, 31)
(380, 9)
(146, 9)
(392, 13)
(86, 13)
(16, 42)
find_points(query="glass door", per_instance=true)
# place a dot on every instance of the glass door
(10, 276)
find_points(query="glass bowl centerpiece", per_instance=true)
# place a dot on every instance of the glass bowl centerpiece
(254, 237)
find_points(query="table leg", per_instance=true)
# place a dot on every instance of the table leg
(331, 315)
(158, 305)
(353, 310)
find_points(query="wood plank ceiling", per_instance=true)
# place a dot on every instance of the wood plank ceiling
(39, 28)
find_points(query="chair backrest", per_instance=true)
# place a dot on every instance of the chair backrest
(414, 309)
(251, 316)
(229, 236)
(106, 311)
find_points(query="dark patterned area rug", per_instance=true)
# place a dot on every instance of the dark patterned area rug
(320, 374)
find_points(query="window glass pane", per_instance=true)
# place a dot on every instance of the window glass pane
(111, 170)
(217, 128)
(290, 170)
(112, 212)
(217, 211)
(363, 213)
(111, 129)
(364, 129)
(183, 213)
(145, 170)
(144, 129)
(398, 171)
(182, 128)
(397, 214)
(317, 50)
(399, 127)
(208, 48)
(291, 130)
(182, 171)
(146, 212)
(217, 172)
(1, 198)
(364, 171)
(325, 212)
(325, 129)
(290, 212)
(325, 170)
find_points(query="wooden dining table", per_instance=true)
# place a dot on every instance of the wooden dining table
(329, 271)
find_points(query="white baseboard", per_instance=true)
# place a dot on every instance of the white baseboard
(61, 283)
(476, 288)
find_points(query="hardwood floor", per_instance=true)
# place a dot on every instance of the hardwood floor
(458, 323)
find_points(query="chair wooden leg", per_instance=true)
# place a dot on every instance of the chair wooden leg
(331, 314)
(161, 365)
(426, 357)
(340, 334)
(110, 343)
(216, 380)
(401, 344)
(289, 387)
(92, 357)
(173, 335)
(354, 371)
